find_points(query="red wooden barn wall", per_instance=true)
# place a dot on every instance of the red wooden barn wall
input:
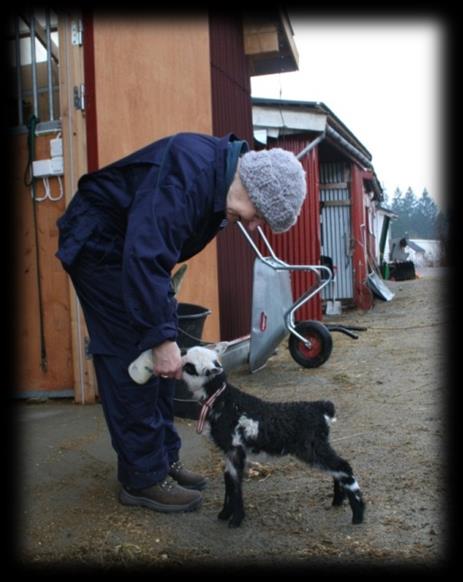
(231, 112)
(301, 244)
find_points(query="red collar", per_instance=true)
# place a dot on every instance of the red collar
(207, 406)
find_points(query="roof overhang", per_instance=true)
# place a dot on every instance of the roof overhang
(273, 118)
(269, 43)
(288, 117)
(286, 120)
(372, 185)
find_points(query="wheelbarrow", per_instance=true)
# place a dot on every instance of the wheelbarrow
(273, 314)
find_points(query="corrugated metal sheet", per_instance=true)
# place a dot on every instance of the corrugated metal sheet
(231, 112)
(336, 226)
(301, 245)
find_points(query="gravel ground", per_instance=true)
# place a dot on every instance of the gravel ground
(389, 388)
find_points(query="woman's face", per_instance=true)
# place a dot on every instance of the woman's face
(240, 207)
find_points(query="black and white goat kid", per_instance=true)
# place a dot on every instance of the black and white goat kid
(240, 423)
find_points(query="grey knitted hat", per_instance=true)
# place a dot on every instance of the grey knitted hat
(275, 182)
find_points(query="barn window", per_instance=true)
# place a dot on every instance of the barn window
(34, 69)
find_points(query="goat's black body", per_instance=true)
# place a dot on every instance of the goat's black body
(284, 428)
(241, 423)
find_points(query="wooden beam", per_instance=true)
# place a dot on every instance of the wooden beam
(75, 164)
(260, 39)
(269, 44)
(286, 27)
(334, 185)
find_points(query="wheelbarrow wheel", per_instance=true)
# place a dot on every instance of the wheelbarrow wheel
(321, 344)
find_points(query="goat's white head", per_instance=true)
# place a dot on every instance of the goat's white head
(200, 365)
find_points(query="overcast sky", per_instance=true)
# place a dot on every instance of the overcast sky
(383, 79)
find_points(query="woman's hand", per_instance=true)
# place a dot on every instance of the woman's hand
(167, 360)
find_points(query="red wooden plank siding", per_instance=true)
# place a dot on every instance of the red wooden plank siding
(301, 244)
(231, 112)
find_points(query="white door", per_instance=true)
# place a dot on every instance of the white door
(335, 202)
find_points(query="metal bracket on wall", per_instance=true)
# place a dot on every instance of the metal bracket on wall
(88, 355)
(79, 97)
(76, 33)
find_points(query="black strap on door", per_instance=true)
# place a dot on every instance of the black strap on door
(29, 180)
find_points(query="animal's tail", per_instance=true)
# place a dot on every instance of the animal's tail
(329, 409)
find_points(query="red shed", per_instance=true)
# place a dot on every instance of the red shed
(341, 187)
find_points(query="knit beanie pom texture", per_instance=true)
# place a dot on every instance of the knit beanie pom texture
(276, 184)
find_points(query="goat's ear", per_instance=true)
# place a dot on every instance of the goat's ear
(220, 348)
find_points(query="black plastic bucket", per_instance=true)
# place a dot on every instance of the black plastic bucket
(191, 320)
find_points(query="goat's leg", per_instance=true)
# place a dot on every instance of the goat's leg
(238, 458)
(227, 504)
(345, 483)
(339, 493)
(355, 498)
(233, 505)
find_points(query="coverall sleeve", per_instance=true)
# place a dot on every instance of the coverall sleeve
(161, 221)
(155, 232)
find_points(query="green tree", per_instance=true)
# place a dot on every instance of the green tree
(417, 218)
(426, 217)
(404, 206)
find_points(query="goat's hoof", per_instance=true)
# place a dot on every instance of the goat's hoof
(357, 514)
(224, 515)
(235, 522)
(357, 518)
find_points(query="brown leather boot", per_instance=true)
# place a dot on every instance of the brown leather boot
(167, 497)
(186, 478)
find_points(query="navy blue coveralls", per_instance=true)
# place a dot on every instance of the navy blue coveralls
(120, 237)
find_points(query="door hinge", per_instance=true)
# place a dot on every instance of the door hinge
(76, 33)
(79, 97)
